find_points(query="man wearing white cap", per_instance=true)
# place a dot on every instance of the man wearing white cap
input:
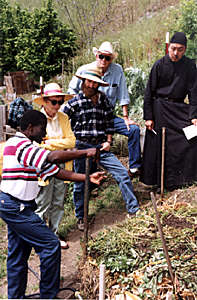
(92, 122)
(113, 74)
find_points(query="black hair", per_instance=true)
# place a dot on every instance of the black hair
(33, 117)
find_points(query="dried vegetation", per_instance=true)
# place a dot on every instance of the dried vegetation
(134, 258)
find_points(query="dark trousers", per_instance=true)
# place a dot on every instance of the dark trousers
(27, 230)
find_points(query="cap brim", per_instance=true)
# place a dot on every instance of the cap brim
(95, 79)
(96, 51)
(40, 100)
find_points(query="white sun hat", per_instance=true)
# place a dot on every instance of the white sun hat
(105, 48)
(52, 89)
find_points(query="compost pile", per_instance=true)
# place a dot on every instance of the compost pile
(134, 258)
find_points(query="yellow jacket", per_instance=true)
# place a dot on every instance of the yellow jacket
(66, 142)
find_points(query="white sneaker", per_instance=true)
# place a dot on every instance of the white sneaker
(80, 224)
(64, 245)
(134, 215)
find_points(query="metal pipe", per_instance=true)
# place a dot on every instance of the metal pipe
(102, 282)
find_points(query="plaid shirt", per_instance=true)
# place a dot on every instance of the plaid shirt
(17, 109)
(89, 120)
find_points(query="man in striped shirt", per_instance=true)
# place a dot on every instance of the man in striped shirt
(23, 163)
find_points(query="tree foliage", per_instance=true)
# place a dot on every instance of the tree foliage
(35, 41)
(186, 21)
(8, 33)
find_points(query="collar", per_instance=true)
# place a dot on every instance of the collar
(48, 117)
(168, 60)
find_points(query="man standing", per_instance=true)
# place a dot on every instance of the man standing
(92, 122)
(116, 90)
(23, 163)
(171, 79)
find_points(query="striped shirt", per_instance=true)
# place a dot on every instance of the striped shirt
(23, 163)
(89, 120)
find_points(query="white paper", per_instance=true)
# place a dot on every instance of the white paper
(190, 131)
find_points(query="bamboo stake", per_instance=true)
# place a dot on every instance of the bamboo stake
(163, 161)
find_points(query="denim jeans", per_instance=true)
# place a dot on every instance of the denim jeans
(133, 141)
(109, 162)
(27, 230)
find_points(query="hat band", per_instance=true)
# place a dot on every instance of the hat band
(52, 91)
(93, 74)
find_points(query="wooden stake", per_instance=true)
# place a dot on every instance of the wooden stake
(163, 161)
(162, 239)
(86, 204)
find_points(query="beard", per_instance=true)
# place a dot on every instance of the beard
(89, 92)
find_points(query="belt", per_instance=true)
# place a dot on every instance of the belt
(171, 99)
(92, 140)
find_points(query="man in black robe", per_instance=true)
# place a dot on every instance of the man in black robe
(172, 79)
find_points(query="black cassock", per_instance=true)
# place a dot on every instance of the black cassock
(180, 166)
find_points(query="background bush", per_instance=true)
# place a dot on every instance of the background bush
(35, 41)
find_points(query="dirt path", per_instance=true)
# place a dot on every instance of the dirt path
(69, 257)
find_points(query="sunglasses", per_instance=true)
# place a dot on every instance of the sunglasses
(107, 57)
(54, 102)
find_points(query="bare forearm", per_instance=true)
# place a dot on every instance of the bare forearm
(95, 178)
(60, 156)
(125, 111)
(69, 175)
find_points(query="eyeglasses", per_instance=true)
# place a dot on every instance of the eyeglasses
(54, 102)
(107, 57)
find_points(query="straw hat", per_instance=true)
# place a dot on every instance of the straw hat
(51, 89)
(105, 48)
(93, 73)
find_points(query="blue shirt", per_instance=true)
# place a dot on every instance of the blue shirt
(89, 120)
(117, 89)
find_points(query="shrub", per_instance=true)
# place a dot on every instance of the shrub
(186, 20)
(136, 82)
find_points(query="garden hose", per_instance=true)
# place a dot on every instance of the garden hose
(37, 295)
(76, 293)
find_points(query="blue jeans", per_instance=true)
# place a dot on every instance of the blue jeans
(133, 141)
(109, 162)
(27, 230)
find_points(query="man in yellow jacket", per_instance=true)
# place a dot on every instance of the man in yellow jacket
(50, 200)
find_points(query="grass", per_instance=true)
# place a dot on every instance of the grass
(3, 251)
(105, 197)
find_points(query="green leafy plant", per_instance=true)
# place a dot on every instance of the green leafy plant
(136, 80)
(186, 21)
